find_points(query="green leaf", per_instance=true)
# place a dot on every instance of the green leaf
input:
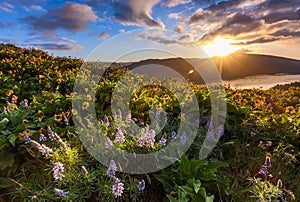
(12, 139)
(197, 185)
(172, 199)
(3, 123)
(6, 160)
(185, 165)
(5, 183)
(210, 198)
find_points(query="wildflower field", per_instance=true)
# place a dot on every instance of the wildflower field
(43, 159)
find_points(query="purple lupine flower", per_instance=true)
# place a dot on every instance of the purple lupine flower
(157, 115)
(60, 192)
(270, 119)
(27, 139)
(183, 138)
(51, 134)
(265, 166)
(173, 136)
(25, 105)
(108, 143)
(42, 138)
(146, 139)
(118, 187)
(56, 92)
(84, 171)
(106, 121)
(58, 170)
(14, 99)
(141, 185)
(66, 121)
(279, 184)
(112, 169)
(128, 117)
(119, 136)
(163, 140)
(43, 149)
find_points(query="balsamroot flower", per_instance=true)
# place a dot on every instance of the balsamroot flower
(58, 170)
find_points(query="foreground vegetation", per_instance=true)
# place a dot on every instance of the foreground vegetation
(43, 159)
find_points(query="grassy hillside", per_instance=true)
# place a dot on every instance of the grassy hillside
(43, 159)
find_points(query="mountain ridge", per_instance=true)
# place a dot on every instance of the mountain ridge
(233, 66)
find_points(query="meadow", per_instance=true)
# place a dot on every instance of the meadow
(43, 159)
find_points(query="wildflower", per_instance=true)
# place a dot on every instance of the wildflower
(85, 105)
(173, 135)
(157, 115)
(183, 138)
(60, 192)
(117, 188)
(108, 143)
(146, 139)
(14, 99)
(58, 170)
(57, 117)
(26, 137)
(42, 138)
(66, 121)
(265, 166)
(84, 171)
(40, 113)
(112, 169)
(279, 184)
(141, 185)
(270, 119)
(119, 136)
(25, 105)
(106, 121)
(128, 117)
(56, 92)
(163, 140)
(43, 149)
(51, 134)
(9, 92)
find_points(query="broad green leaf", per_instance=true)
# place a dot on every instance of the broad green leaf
(12, 139)
(197, 185)
(3, 123)
(5, 183)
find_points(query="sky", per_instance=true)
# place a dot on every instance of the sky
(76, 28)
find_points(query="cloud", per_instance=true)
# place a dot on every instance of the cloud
(71, 17)
(198, 16)
(57, 46)
(173, 3)
(136, 12)
(6, 7)
(103, 36)
(260, 40)
(33, 8)
(175, 15)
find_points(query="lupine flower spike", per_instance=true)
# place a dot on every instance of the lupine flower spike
(141, 185)
(112, 169)
(118, 187)
(58, 170)
(60, 192)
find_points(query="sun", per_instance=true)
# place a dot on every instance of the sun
(220, 47)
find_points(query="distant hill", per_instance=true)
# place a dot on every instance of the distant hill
(234, 66)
